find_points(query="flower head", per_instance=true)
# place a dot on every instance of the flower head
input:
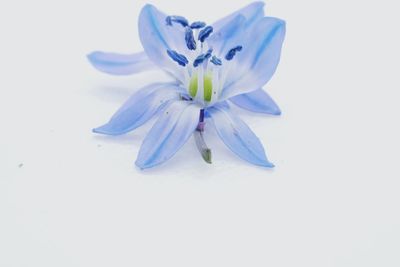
(211, 66)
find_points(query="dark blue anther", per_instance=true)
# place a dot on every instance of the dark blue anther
(216, 61)
(208, 54)
(190, 42)
(199, 60)
(178, 19)
(180, 59)
(168, 20)
(203, 57)
(204, 33)
(231, 54)
(198, 25)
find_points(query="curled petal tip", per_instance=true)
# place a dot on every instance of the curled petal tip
(93, 57)
(141, 166)
(100, 130)
(90, 56)
(259, 4)
(269, 165)
(147, 6)
(276, 111)
(264, 163)
(106, 130)
(257, 101)
(120, 64)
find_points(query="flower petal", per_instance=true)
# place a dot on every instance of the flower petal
(229, 31)
(169, 134)
(227, 36)
(238, 137)
(157, 37)
(139, 108)
(257, 101)
(254, 66)
(252, 13)
(119, 64)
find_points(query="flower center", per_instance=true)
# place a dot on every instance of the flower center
(204, 71)
(207, 86)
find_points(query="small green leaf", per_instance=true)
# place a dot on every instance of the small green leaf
(201, 145)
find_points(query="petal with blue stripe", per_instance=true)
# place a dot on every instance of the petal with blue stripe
(157, 38)
(257, 62)
(139, 108)
(228, 35)
(169, 134)
(120, 64)
(257, 101)
(252, 13)
(237, 136)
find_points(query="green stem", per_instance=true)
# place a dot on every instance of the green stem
(202, 146)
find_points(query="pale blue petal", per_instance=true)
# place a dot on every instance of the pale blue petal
(252, 13)
(221, 105)
(230, 30)
(139, 108)
(257, 101)
(169, 134)
(119, 64)
(238, 137)
(228, 35)
(157, 37)
(254, 66)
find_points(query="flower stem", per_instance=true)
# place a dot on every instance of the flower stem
(202, 146)
(201, 125)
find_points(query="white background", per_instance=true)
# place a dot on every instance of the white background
(70, 198)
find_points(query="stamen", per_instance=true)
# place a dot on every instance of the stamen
(168, 20)
(216, 61)
(178, 19)
(200, 59)
(205, 33)
(203, 57)
(198, 25)
(209, 52)
(231, 54)
(189, 37)
(180, 59)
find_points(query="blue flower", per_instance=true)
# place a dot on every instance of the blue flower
(211, 66)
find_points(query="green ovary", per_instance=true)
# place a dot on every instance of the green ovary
(207, 88)
(193, 87)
